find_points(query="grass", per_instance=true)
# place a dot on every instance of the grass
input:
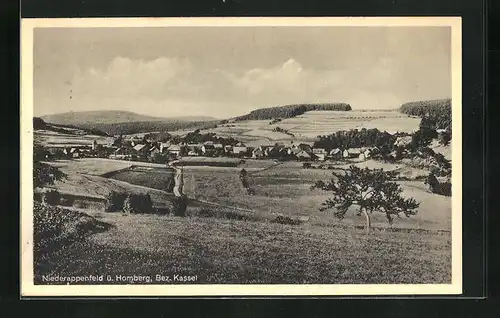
(309, 125)
(157, 180)
(229, 251)
(285, 189)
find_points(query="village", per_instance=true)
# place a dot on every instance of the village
(147, 150)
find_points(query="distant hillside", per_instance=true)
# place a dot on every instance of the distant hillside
(40, 124)
(148, 126)
(290, 111)
(439, 110)
(111, 117)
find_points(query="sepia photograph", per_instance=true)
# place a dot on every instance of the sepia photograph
(241, 156)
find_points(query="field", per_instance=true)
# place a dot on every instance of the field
(228, 251)
(285, 189)
(160, 179)
(56, 139)
(308, 126)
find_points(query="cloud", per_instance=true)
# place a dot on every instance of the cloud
(125, 77)
(173, 86)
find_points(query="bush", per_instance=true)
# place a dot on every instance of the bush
(114, 201)
(138, 204)
(306, 165)
(180, 205)
(286, 220)
(51, 197)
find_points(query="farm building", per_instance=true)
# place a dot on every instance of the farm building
(303, 155)
(305, 147)
(164, 146)
(257, 153)
(239, 150)
(72, 152)
(293, 151)
(319, 153)
(272, 152)
(218, 146)
(228, 149)
(335, 154)
(208, 149)
(365, 154)
(351, 153)
(174, 149)
(140, 148)
(153, 150)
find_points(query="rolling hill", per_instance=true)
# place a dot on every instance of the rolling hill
(111, 117)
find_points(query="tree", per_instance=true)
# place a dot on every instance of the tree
(371, 190)
(44, 174)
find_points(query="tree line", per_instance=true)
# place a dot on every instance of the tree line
(137, 127)
(289, 111)
(355, 138)
(437, 111)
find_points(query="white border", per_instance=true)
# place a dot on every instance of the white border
(29, 289)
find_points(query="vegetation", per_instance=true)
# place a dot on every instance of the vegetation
(115, 201)
(371, 190)
(138, 203)
(355, 138)
(128, 128)
(44, 174)
(290, 111)
(283, 131)
(437, 187)
(40, 124)
(439, 111)
(254, 253)
(180, 205)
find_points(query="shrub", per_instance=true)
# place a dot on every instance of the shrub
(180, 205)
(306, 165)
(138, 203)
(114, 201)
(51, 197)
(286, 220)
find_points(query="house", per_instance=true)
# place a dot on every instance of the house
(335, 154)
(209, 142)
(208, 149)
(164, 146)
(403, 141)
(272, 152)
(192, 153)
(218, 146)
(305, 147)
(228, 149)
(319, 153)
(140, 148)
(174, 150)
(257, 153)
(365, 154)
(240, 150)
(72, 152)
(153, 150)
(293, 151)
(303, 155)
(351, 153)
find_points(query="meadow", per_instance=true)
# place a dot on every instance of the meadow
(160, 179)
(229, 251)
(285, 189)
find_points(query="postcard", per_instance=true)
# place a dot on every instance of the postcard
(241, 156)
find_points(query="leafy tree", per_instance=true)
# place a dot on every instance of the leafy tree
(369, 190)
(44, 174)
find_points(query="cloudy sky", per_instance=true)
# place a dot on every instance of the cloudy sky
(228, 71)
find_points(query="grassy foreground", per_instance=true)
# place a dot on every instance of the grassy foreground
(230, 251)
